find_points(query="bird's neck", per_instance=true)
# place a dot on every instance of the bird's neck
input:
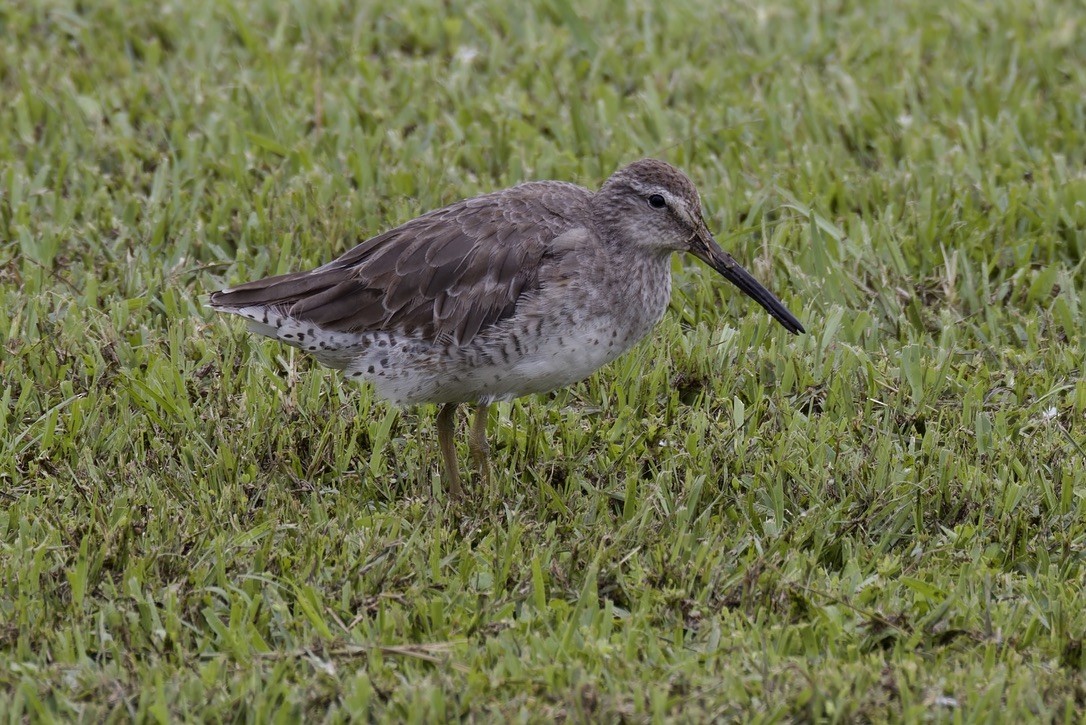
(645, 284)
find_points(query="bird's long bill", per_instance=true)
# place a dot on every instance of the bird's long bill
(707, 250)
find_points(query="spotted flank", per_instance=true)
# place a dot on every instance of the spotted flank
(334, 349)
(260, 320)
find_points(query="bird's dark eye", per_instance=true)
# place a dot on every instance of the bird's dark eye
(657, 202)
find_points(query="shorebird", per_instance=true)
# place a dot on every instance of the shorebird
(519, 291)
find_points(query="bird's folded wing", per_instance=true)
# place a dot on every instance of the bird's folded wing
(445, 275)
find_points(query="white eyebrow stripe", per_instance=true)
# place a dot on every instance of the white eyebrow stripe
(678, 206)
(675, 203)
(672, 201)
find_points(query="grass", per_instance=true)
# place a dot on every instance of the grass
(884, 519)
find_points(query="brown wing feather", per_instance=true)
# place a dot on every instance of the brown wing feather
(447, 274)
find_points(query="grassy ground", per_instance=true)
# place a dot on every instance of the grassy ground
(884, 519)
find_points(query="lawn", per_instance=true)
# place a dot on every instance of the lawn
(883, 519)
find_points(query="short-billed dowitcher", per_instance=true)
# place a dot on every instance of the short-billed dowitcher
(515, 292)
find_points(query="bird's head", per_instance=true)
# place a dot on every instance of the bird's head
(653, 207)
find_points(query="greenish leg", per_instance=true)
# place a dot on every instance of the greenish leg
(446, 427)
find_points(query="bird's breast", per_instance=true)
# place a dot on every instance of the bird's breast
(572, 330)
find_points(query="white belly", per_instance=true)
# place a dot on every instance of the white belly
(548, 362)
(559, 363)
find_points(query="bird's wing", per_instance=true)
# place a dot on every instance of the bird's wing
(445, 275)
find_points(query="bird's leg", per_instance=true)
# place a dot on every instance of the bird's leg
(446, 427)
(477, 445)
